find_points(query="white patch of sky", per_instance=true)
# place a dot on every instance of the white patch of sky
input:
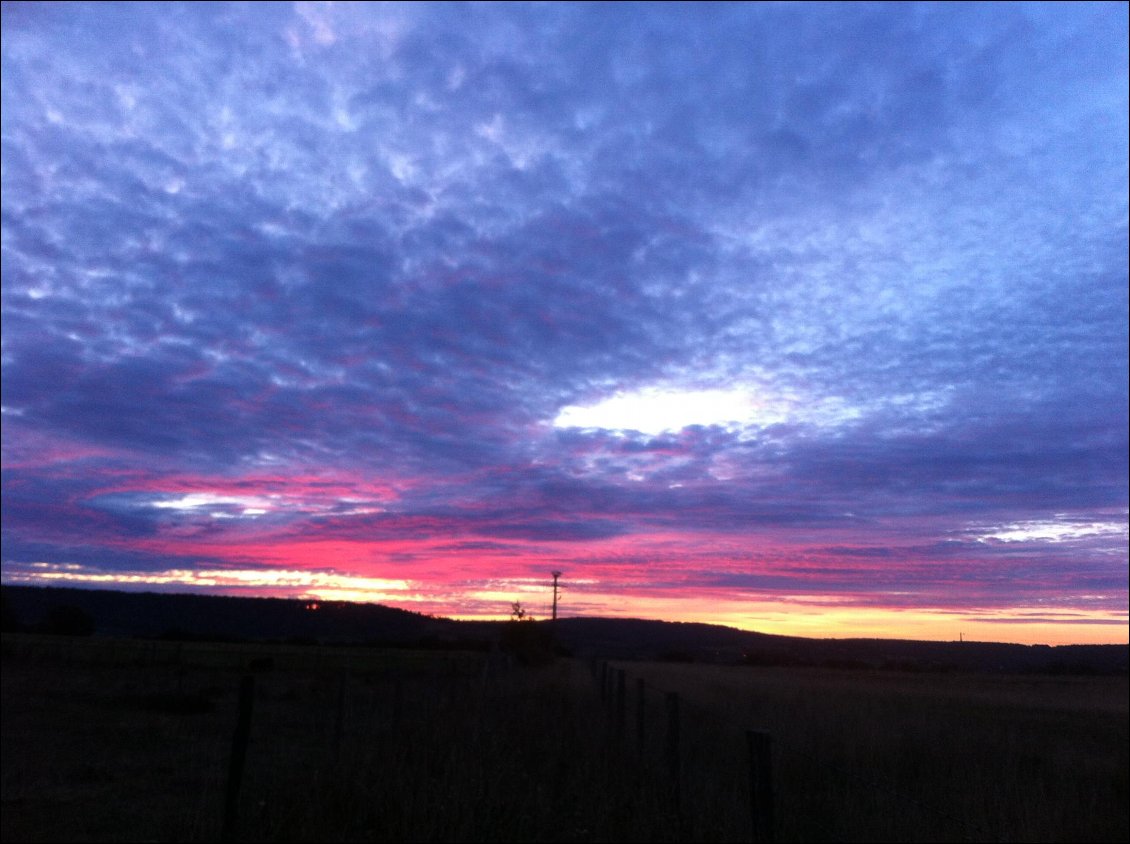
(252, 505)
(324, 585)
(1058, 529)
(220, 506)
(665, 408)
(654, 410)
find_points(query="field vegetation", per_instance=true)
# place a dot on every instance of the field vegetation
(130, 740)
(888, 756)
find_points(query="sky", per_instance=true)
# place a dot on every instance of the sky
(802, 318)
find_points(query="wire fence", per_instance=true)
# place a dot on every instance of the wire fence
(716, 768)
(723, 770)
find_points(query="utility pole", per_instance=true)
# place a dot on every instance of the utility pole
(556, 574)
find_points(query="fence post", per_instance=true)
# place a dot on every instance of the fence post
(639, 715)
(673, 744)
(603, 682)
(238, 755)
(397, 700)
(760, 785)
(339, 715)
(621, 701)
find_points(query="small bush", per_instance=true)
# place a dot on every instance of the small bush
(68, 620)
(530, 642)
(10, 621)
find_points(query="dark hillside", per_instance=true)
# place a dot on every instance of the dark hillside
(151, 614)
(686, 642)
(148, 614)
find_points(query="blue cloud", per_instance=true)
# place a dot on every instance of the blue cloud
(399, 239)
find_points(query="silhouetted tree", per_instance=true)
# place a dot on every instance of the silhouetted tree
(529, 641)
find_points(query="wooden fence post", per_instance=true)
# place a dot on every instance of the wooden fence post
(760, 785)
(339, 715)
(238, 755)
(397, 700)
(621, 701)
(639, 715)
(673, 765)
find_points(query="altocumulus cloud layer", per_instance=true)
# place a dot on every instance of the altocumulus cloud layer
(744, 312)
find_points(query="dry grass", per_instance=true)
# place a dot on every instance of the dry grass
(130, 741)
(874, 756)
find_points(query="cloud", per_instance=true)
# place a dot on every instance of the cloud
(391, 244)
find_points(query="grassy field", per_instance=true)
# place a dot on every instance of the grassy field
(130, 741)
(884, 756)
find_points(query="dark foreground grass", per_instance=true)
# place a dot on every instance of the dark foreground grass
(130, 741)
(882, 756)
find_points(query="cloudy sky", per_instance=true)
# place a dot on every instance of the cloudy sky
(808, 319)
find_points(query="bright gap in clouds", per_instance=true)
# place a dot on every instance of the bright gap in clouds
(654, 410)
(288, 583)
(1061, 530)
(252, 505)
(222, 506)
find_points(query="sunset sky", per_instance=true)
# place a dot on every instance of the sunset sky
(808, 319)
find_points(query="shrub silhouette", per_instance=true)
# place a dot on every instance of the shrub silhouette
(68, 620)
(11, 621)
(530, 642)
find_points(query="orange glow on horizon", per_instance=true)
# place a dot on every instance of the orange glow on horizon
(814, 617)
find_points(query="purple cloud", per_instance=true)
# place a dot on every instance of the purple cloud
(391, 244)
